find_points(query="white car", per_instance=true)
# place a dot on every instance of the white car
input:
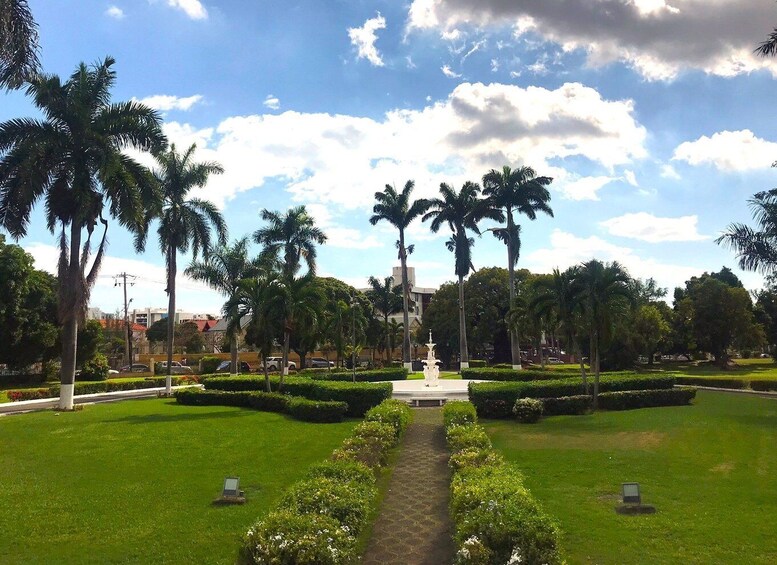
(274, 364)
(175, 369)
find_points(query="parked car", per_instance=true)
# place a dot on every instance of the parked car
(224, 367)
(554, 361)
(274, 364)
(175, 369)
(320, 363)
(135, 368)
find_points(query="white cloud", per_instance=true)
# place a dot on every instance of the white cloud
(630, 177)
(448, 72)
(567, 249)
(728, 151)
(114, 12)
(272, 102)
(659, 38)
(338, 236)
(342, 160)
(166, 102)
(582, 188)
(192, 8)
(364, 38)
(650, 228)
(669, 172)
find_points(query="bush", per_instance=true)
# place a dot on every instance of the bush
(525, 375)
(25, 380)
(393, 412)
(458, 413)
(286, 537)
(497, 409)
(322, 411)
(28, 394)
(468, 436)
(763, 385)
(346, 502)
(567, 405)
(477, 363)
(372, 376)
(264, 401)
(528, 410)
(472, 457)
(345, 471)
(713, 382)
(628, 400)
(209, 364)
(96, 369)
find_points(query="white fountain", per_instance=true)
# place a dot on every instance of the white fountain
(431, 371)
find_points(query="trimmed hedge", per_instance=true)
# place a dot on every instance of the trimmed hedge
(496, 518)
(393, 412)
(86, 387)
(320, 411)
(22, 380)
(457, 412)
(371, 376)
(319, 518)
(763, 385)
(710, 382)
(477, 363)
(631, 399)
(567, 405)
(524, 375)
(528, 410)
(360, 397)
(28, 394)
(264, 401)
(485, 395)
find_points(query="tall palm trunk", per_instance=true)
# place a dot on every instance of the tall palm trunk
(515, 344)
(578, 352)
(463, 354)
(388, 340)
(285, 357)
(595, 366)
(235, 367)
(171, 272)
(71, 316)
(266, 374)
(405, 303)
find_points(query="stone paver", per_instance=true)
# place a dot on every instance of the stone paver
(413, 526)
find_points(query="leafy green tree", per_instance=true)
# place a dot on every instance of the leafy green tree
(157, 332)
(18, 44)
(299, 303)
(440, 318)
(189, 338)
(386, 298)
(652, 328)
(74, 159)
(90, 338)
(522, 191)
(183, 223)
(223, 270)
(399, 210)
(28, 309)
(462, 211)
(487, 305)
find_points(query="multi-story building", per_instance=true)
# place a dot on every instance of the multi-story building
(148, 316)
(420, 297)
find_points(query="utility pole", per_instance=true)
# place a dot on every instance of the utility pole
(121, 279)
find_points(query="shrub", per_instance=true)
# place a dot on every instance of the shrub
(209, 364)
(323, 411)
(383, 433)
(393, 412)
(528, 410)
(472, 457)
(763, 385)
(372, 376)
(265, 401)
(28, 394)
(96, 369)
(345, 471)
(497, 409)
(628, 400)
(26, 379)
(367, 450)
(285, 537)
(346, 502)
(477, 363)
(525, 375)
(469, 436)
(712, 382)
(567, 405)
(458, 413)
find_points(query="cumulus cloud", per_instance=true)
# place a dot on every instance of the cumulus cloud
(192, 8)
(582, 188)
(337, 235)
(448, 72)
(653, 229)
(659, 38)
(166, 102)
(364, 38)
(669, 172)
(342, 160)
(272, 102)
(114, 12)
(728, 151)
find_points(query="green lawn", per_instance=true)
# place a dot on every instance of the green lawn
(443, 375)
(709, 469)
(134, 481)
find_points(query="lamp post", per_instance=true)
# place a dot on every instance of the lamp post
(354, 303)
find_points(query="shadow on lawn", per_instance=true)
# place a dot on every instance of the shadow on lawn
(159, 418)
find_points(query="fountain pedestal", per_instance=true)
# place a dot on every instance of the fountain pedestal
(431, 370)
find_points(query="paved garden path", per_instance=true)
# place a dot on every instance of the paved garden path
(413, 527)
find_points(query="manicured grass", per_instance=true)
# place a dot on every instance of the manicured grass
(134, 481)
(746, 369)
(709, 469)
(443, 375)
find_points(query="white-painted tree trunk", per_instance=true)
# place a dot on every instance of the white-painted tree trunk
(409, 366)
(463, 365)
(516, 367)
(66, 396)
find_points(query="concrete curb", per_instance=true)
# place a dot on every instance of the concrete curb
(745, 391)
(49, 403)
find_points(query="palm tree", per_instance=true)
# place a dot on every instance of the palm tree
(73, 159)
(299, 303)
(386, 297)
(183, 223)
(397, 209)
(18, 44)
(254, 307)
(394, 332)
(462, 211)
(756, 249)
(290, 237)
(601, 286)
(223, 271)
(526, 193)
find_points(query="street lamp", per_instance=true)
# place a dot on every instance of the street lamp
(354, 304)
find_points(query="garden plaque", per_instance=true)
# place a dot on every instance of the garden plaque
(631, 493)
(231, 486)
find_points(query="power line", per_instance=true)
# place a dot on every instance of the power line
(121, 280)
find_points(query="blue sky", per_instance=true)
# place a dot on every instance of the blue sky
(653, 116)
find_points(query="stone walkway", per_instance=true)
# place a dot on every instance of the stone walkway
(413, 527)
